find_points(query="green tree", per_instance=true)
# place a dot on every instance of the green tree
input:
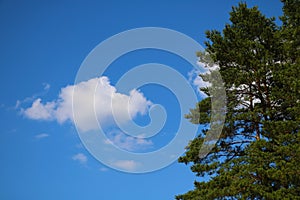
(258, 153)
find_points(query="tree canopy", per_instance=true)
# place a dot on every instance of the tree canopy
(258, 153)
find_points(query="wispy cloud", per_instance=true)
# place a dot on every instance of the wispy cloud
(81, 158)
(95, 96)
(196, 81)
(129, 165)
(46, 86)
(103, 169)
(127, 142)
(41, 136)
(19, 103)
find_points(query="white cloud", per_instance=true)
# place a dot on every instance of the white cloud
(126, 164)
(41, 136)
(127, 142)
(196, 80)
(95, 96)
(80, 157)
(40, 111)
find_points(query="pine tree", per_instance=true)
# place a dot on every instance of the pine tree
(258, 153)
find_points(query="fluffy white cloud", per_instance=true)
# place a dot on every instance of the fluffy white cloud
(80, 157)
(41, 111)
(93, 97)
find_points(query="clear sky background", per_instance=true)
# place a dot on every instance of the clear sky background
(43, 44)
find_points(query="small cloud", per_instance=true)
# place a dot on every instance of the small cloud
(129, 165)
(46, 86)
(207, 68)
(126, 142)
(196, 81)
(103, 169)
(18, 103)
(41, 136)
(80, 157)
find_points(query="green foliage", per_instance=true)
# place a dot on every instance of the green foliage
(258, 153)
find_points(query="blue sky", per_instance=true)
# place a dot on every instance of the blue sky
(43, 44)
